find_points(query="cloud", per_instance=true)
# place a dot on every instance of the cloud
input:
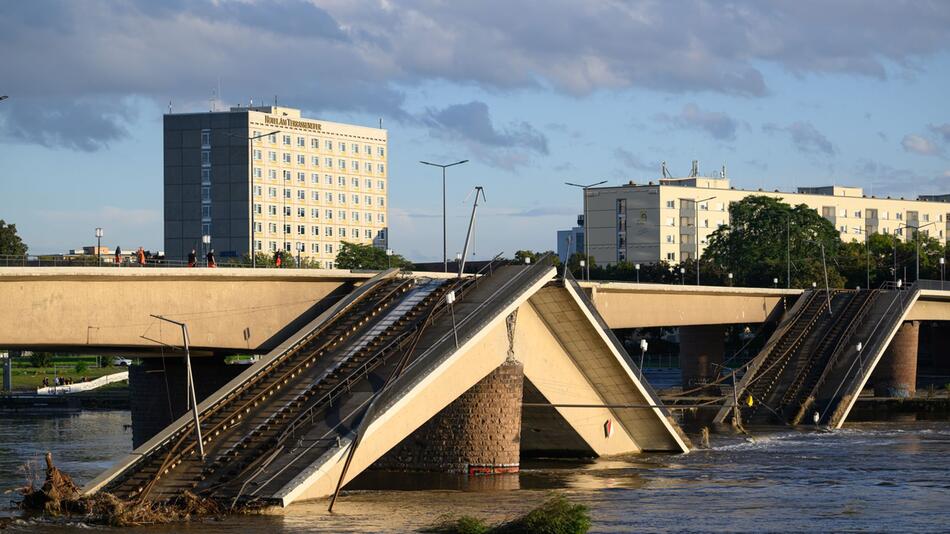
(919, 145)
(942, 131)
(717, 124)
(86, 125)
(805, 137)
(631, 161)
(544, 211)
(365, 55)
(507, 147)
(888, 180)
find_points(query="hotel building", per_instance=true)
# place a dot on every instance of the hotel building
(672, 220)
(314, 184)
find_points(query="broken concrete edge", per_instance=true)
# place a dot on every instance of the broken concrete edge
(172, 429)
(327, 462)
(607, 286)
(679, 437)
(853, 391)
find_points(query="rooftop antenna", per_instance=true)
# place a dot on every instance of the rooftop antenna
(212, 99)
(380, 123)
(722, 174)
(694, 172)
(249, 106)
(275, 100)
(169, 107)
(664, 171)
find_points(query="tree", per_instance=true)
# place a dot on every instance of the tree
(41, 359)
(754, 245)
(10, 242)
(521, 255)
(357, 256)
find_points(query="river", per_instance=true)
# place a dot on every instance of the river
(867, 477)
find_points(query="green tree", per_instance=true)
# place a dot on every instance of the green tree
(357, 256)
(754, 245)
(41, 359)
(10, 242)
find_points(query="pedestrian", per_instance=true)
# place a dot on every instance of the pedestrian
(277, 258)
(118, 255)
(140, 255)
(210, 259)
(192, 258)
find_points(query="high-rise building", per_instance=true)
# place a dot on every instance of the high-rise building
(315, 184)
(671, 220)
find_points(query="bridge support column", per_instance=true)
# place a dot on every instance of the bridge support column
(157, 390)
(479, 433)
(8, 370)
(700, 348)
(896, 373)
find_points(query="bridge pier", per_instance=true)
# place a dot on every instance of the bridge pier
(896, 373)
(157, 402)
(479, 433)
(701, 349)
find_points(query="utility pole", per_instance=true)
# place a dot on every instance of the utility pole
(445, 257)
(479, 190)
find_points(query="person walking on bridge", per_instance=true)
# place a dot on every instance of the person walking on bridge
(277, 258)
(140, 256)
(118, 255)
(210, 258)
(192, 258)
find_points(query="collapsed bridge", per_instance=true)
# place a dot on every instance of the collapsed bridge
(373, 378)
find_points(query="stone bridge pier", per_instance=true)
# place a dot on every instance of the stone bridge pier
(896, 373)
(701, 351)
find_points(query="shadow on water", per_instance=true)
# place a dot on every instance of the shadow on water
(872, 477)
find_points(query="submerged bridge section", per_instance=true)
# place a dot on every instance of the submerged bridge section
(820, 357)
(379, 364)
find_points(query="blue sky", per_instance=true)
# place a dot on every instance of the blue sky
(533, 93)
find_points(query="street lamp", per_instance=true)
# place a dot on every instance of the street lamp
(250, 147)
(683, 276)
(696, 232)
(730, 279)
(445, 258)
(643, 351)
(99, 245)
(867, 252)
(586, 224)
(300, 247)
(943, 264)
(916, 242)
(389, 257)
(637, 267)
(775, 282)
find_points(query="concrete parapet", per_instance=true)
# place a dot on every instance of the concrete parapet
(896, 373)
(701, 349)
(479, 433)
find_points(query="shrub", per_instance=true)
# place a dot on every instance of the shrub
(81, 367)
(41, 359)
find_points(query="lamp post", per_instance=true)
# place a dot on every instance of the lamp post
(696, 232)
(637, 268)
(643, 351)
(775, 282)
(250, 146)
(99, 246)
(683, 276)
(867, 253)
(389, 257)
(943, 264)
(730, 279)
(445, 258)
(586, 225)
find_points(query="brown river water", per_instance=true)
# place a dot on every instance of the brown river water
(881, 477)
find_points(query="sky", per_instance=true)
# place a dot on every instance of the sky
(534, 93)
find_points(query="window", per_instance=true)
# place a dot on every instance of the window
(205, 138)
(670, 256)
(301, 212)
(286, 157)
(315, 161)
(257, 208)
(328, 144)
(206, 194)
(381, 201)
(380, 184)
(381, 168)
(368, 199)
(206, 176)
(380, 217)
(288, 193)
(899, 216)
(342, 231)
(257, 154)
(314, 195)
(287, 210)
(329, 162)
(257, 172)
(381, 151)
(287, 140)
(669, 238)
(301, 194)
(341, 197)
(328, 230)
(301, 229)
(315, 248)
(206, 229)
(368, 167)
(328, 248)
(369, 149)
(329, 214)
(926, 217)
(271, 155)
(301, 159)
(272, 138)
(315, 213)
(258, 190)
(287, 229)
(328, 197)
(302, 142)
(843, 229)
(272, 174)
(272, 209)
(857, 214)
(670, 221)
(368, 234)
(287, 176)
(272, 192)
(355, 215)
(356, 199)
(341, 163)
(670, 203)
(341, 215)
(205, 157)
(369, 183)
(272, 245)
(315, 143)
(354, 165)
(342, 146)
(206, 212)
(315, 178)
(341, 181)
(355, 182)
(315, 230)
(356, 148)
(272, 228)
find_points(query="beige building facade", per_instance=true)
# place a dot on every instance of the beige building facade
(672, 220)
(314, 184)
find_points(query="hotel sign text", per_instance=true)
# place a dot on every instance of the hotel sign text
(275, 121)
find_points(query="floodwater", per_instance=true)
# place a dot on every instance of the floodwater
(868, 477)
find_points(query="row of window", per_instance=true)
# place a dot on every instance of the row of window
(315, 196)
(341, 181)
(314, 161)
(315, 144)
(689, 204)
(328, 231)
(290, 211)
